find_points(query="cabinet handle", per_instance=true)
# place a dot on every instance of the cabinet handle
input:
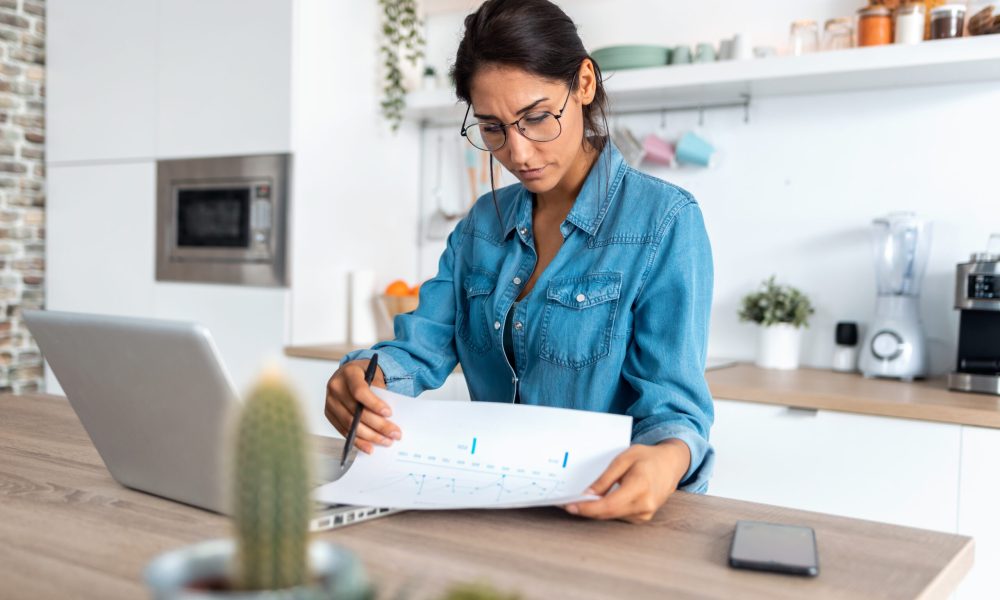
(799, 412)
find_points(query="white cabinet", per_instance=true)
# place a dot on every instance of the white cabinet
(100, 225)
(979, 510)
(99, 256)
(892, 470)
(101, 81)
(224, 77)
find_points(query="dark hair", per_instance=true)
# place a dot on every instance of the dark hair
(535, 36)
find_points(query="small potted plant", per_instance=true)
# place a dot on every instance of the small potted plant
(781, 311)
(271, 556)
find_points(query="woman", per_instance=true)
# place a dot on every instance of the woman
(587, 285)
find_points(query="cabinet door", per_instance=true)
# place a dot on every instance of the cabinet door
(224, 77)
(979, 509)
(892, 470)
(101, 81)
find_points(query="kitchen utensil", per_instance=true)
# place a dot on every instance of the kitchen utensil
(895, 345)
(977, 297)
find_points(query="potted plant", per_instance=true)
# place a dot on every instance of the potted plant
(781, 311)
(271, 556)
(401, 40)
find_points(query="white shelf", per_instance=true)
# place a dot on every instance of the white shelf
(940, 62)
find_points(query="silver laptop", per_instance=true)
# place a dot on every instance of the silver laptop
(156, 400)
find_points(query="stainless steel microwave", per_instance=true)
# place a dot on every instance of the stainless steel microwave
(223, 220)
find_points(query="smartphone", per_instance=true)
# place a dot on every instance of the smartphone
(773, 547)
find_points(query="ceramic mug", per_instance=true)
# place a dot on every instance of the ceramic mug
(705, 53)
(657, 150)
(692, 149)
(681, 55)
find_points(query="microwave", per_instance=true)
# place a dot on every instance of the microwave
(223, 220)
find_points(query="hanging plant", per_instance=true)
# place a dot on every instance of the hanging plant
(401, 40)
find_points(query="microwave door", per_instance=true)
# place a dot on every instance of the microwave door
(214, 224)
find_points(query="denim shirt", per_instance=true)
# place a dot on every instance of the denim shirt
(617, 322)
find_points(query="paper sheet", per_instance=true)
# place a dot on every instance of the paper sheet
(482, 455)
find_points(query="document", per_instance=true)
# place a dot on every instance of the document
(482, 455)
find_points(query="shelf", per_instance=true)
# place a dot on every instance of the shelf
(940, 62)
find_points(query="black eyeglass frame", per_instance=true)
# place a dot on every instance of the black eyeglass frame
(503, 126)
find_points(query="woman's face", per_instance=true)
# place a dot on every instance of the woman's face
(502, 94)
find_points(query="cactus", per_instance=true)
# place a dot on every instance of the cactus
(271, 490)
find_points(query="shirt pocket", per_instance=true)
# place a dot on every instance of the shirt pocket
(474, 325)
(579, 319)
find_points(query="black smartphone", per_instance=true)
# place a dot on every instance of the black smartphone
(773, 547)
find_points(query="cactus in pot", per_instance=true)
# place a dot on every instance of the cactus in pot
(271, 490)
(272, 556)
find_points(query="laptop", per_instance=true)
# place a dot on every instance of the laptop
(156, 401)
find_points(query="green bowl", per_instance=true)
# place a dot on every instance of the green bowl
(615, 58)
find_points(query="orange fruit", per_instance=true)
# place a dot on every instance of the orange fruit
(415, 290)
(397, 288)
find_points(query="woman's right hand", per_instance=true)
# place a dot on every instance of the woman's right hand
(345, 390)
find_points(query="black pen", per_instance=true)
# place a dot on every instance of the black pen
(353, 432)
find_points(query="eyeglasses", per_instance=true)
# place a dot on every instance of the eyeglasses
(541, 126)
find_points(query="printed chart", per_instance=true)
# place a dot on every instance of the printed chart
(517, 455)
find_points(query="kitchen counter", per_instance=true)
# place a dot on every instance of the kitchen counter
(809, 388)
(845, 392)
(69, 530)
(335, 352)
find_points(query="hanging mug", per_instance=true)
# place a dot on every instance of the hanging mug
(692, 149)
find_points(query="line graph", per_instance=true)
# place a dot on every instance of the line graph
(482, 455)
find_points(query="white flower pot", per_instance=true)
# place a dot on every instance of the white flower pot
(778, 347)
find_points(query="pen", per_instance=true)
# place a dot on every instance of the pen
(353, 432)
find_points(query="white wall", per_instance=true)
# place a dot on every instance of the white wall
(797, 187)
(356, 183)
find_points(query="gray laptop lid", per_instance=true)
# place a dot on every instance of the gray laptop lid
(153, 396)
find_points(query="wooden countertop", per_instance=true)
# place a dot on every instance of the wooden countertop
(816, 388)
(69, 530)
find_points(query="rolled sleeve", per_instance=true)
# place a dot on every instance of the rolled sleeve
(665, 362)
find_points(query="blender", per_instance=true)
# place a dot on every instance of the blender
(895, 346)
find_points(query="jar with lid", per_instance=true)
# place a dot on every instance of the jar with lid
(838, 34)
(910, 20)
(947, 21)
(930, 5)
(874, 26)
(804, 37)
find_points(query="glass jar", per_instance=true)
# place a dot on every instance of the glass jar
(804, 37)
(874, 26)
(948, 21)
(910, 19)
(838, 34)
(931, 5)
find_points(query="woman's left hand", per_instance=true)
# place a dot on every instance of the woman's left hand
(647, 476)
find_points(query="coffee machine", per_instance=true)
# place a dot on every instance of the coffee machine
(895, 345)
(977, 297)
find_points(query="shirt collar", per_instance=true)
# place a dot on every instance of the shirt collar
(591, 204)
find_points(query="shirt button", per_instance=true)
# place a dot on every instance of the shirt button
(524, 231)
(518, 326)
(517, 281)
(580, 297)
(496, 324)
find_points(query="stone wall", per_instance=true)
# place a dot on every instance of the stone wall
(22, 189)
